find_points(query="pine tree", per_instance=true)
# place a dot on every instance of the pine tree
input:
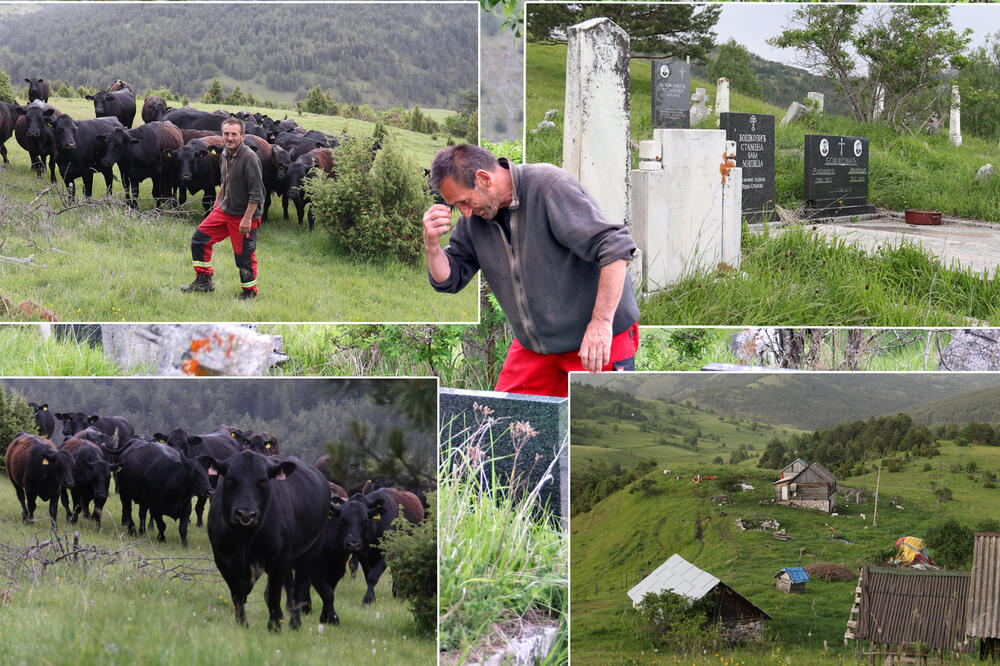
(6, 89)
(215, 94)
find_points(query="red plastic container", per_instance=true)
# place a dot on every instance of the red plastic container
(932, 217)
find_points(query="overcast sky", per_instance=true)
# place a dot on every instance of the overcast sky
(750, 24)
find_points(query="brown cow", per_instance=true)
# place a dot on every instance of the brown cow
(38, 469)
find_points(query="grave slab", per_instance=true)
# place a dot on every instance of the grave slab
(836, 176)
(754, 137)
(671, 94)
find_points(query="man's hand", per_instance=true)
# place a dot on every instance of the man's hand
(437, 221)
(595, 349)
(245, 225)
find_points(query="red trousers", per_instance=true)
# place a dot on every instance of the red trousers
(525, 371)
(213, 229)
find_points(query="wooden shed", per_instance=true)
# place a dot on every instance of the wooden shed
(792, 580)
(812, 487)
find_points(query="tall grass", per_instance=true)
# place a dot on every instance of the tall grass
(502, 559)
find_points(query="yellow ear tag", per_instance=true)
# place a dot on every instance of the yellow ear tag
(45, 409)
(378, 517)
(45, 461)
(268, 446)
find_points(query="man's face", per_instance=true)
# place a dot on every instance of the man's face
(232, 136)
(482, 200)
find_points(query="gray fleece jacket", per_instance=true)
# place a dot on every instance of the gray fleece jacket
(546, 278)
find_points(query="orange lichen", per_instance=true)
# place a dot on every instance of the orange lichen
(191, 367)
(728, 164)
(199, 344)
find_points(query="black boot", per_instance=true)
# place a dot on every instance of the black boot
(202, 282)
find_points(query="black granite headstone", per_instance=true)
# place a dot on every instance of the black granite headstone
(549, 417)
(836, 176)
(754, 137)
(671, 94)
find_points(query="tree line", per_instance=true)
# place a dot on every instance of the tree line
(374, 54)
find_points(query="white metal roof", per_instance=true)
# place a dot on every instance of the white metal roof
(677, 575)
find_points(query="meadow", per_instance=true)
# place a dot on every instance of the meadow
(132, 600)
(798, 277)
(99, 261)
(632, 531)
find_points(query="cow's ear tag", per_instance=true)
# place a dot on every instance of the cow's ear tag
(232, 434)
(268, 446)
(281, 476)
(378, 517)
(45, 461)
(45, 408)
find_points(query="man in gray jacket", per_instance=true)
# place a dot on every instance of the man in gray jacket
(558, 268)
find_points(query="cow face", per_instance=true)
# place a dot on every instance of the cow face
(35, 89)
(356, 516)
(281, 163)
(197, 476)
(73, 422)
(155, 108)
(64, 132)
(246, 485)
(36, 119)
(192, 162)
(103, 103)
(298, 171)
(51, 469)
(118, 147)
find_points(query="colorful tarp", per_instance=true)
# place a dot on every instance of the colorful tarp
(911, 550)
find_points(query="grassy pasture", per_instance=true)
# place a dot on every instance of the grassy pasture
(102, 262)
(627, 535)
(127, 610)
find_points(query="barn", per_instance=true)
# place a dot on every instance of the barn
(812, 487)
(983, 613)
(903, 613)
(792, 579)
(740, 619)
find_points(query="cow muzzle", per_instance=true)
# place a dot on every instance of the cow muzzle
(245, 517)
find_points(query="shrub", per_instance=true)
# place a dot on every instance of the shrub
(411, 554)
(372, 208)
(317, 101)
(671, 620)
(950, 543)
(15, 417)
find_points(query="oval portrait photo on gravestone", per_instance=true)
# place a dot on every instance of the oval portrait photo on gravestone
(778, 164)
(154, 172)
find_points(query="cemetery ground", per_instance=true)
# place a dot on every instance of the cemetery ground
(134, 600)
(802, 275)
(99, 262)
(629, 533)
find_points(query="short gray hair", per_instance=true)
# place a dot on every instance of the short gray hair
(233, 120)
(460, 163)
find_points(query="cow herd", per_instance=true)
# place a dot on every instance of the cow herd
(269, 512)
(176, 148)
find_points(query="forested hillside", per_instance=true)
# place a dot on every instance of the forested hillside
(800, 400)
(375, 54)
(303, 414)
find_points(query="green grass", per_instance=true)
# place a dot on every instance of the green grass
(108, 609)
(627, 535)
(499, 561)
(801, 278)
(105, 263)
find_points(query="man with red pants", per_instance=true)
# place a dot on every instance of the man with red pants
(558, 267)
(234, 214)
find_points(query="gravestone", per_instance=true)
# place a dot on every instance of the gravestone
(836, 176)
(955, 126)
(721, 98)
(596, 123)
(699, 110)
(753, 134)
(671, 94)
(794, 112)
(549, 417)
(976, 349)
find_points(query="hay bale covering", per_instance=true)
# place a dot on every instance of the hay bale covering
(830, 572)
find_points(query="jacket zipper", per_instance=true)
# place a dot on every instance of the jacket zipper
(519, 295)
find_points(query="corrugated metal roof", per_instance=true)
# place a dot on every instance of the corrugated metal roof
(902, 606)
(795, 574)
(984, 587)
(677, 575)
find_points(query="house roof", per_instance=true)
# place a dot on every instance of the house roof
(798, 461)
(677, 575)
(903, 606)
(795, 574)
(814, 473)
(983, 612)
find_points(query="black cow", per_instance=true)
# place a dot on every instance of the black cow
(269, 175)
(119, 104)
(34, 134)
(44, 419)
(161, 481)
(78, 152)
(219, 445)
(297, 145)
(7, 116)
(354, 529)
(37, 469)
(267, 515)
(140, 154)
(261, 442)
(305, 166)
(154, 108)
(38, 89)
(280, 161)
(188, 117)
(196, 168)
(74, 423)
(91, 480)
